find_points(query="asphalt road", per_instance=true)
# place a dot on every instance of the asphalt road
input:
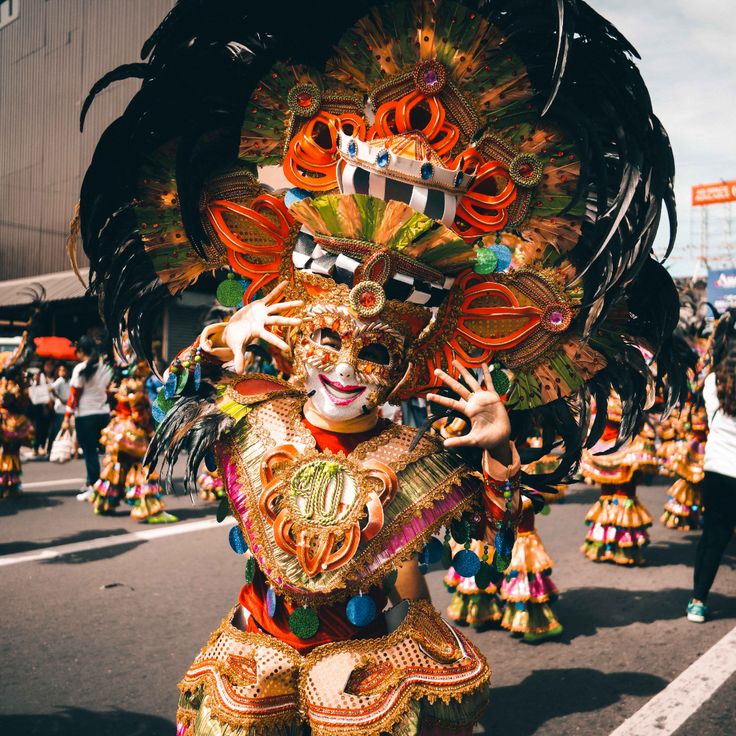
(93, 642)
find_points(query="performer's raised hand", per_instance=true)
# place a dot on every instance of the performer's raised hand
(489, 423)
(252, 323)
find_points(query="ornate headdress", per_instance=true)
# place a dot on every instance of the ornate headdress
(485, 177)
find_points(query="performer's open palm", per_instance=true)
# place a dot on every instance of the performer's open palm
(252, 322)
(489, 422)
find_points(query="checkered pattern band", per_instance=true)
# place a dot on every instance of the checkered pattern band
(310, 256)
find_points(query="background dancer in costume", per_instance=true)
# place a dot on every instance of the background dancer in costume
(719, 482)
(463, 220)
(618, 521)
(16, 430)
(124, 476)
(683, 509)
(527, 589)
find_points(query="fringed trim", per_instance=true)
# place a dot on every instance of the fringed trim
(523, 618)
(476, 610)
(610, 552)
(625, 512)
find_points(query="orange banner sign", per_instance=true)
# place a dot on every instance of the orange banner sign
(720, 193)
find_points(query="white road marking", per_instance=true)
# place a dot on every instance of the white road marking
(72, 482)
(669, 709)
(146, 535)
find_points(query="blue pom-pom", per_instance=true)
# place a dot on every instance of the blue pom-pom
(360, 610)
(511, 574)
(431, 553)
(503, 256)
(504, 541)
(237, 541)
(157, 412)
(466, 563)
(295, 195)
(271, 601)
(170, 385)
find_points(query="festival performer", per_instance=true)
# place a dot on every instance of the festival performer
(683, 509)
(618, 521)
(449, 231)
(210, 485)
(16, 430)
(527, 589)
(124, 476)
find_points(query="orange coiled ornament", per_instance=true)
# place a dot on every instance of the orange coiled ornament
(416, 112)
(311, 158)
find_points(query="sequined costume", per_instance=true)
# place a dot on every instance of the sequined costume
(683, 509)
(16, 430)
(403, 207)
(618, 521)
(123, 476)
(527, 589)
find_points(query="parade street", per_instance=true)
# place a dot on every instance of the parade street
(106, 614)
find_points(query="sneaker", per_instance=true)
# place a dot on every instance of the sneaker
(697, 611)
(85, 493)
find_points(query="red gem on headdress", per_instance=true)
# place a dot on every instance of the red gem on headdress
(304, 99)
(368, 299)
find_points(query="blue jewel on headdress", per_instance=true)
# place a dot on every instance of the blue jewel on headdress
(170, 385)
(383, 158)
(360, 610)
(427, 170)
(466, 563)
(197, 376)
(459, 178)
(352, 149)
(237, 541)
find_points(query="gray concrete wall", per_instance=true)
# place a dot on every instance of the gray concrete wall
(49, 58)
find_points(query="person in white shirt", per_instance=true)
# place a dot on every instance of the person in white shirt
(60, 392)
(719, 484)
(88, 398)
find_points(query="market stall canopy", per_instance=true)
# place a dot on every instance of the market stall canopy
(59, 348)
(59, 286)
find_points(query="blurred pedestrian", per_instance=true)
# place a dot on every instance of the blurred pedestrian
(719, 483)
(88, 398)
(41, 408)
(60, 392)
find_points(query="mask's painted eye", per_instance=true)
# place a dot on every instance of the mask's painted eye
(375, 353)
(326, 337)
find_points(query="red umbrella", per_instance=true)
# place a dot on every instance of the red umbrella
(59, 348)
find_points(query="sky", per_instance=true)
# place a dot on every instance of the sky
(688, 50)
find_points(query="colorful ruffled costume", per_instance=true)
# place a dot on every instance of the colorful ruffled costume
(210, 486)
(618, 521)
(16, 430)
(440, 212)
(683, 509)
(124, 477)
(527, 589)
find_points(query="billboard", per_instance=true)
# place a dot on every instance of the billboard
(724, 191)
(722, 288)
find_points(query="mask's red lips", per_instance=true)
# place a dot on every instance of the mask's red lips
(340, 394)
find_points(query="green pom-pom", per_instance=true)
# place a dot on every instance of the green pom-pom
(389, 582)
(500, 381)
(484, 576)
(485, 261)
(230, 293)
(223, 510)
(303, 623)
(250, 570)
(545, 510)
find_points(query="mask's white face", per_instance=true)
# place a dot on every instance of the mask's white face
(350, 365)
